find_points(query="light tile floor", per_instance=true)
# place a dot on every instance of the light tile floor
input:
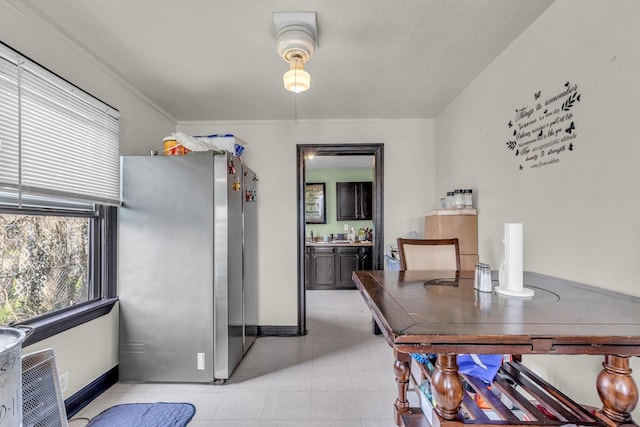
(339, 375)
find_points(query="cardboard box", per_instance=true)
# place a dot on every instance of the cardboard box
(451, 224)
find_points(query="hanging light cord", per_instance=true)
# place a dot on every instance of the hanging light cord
(295, 102)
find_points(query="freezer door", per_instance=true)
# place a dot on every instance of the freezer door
(250, 253)
(227, 265)
(165, 269)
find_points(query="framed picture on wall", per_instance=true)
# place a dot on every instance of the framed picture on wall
(315, 203)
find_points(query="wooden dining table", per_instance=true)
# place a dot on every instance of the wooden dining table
(440, 312)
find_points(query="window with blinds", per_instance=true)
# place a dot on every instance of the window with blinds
(56, 141)
(59, 192)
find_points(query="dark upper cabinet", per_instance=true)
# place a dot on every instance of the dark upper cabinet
(354, 201)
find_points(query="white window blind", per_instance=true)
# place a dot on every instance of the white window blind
(56, 141)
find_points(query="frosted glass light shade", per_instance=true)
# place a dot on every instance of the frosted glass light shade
(296, 80)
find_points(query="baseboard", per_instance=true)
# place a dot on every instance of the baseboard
(277, 331)
(74, 403)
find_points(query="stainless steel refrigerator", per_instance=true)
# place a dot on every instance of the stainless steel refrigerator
(186, 267)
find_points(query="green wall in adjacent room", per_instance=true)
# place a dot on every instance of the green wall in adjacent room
(330, 177)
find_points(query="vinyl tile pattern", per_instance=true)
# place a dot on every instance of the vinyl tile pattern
(339, 375)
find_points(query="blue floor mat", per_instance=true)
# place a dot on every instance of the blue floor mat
(145, 415)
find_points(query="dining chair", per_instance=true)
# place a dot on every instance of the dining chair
(426, 254)
(429, 254)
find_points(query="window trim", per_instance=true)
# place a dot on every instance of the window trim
(102, 273)
(67, 318)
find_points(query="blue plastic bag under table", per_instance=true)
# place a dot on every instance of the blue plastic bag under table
(485, 366)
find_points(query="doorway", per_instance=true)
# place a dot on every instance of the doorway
(304, 150)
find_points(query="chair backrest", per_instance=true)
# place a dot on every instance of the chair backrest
(429, 254)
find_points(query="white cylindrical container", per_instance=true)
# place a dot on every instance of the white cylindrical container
(513, 244)
(485, 279)
(511, 274)
(476, 280)
(450, 200)
(11, 340)
(459, 199)
(468, 198)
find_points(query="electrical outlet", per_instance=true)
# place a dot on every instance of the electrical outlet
(64, 381)
(346, 227)
(200, 361)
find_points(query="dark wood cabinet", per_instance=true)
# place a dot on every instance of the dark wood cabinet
(354, 201)
(366, 259)
(322, 267)
(308, 251)
(330, 267)
(347, 260)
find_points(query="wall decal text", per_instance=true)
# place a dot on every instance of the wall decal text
(542, 132)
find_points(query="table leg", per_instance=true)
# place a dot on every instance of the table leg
(617, 389)
(447, 386)
(402, 369)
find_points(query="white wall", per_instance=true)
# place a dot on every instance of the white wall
(84, 352)
(409, 174)
(89, 350)
(140, 125)
(580, 215)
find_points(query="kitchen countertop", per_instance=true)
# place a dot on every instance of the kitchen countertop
(334, 244)
(467, 211)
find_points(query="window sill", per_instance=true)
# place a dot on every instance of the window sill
(59, 322)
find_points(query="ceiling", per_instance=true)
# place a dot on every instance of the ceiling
(217, 60)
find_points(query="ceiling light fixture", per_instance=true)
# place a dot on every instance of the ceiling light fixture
(296, 79)
(297, 42)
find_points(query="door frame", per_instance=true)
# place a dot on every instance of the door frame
(303, 150)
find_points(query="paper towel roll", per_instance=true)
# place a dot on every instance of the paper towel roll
(513, 258)
(511, 274)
